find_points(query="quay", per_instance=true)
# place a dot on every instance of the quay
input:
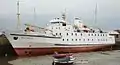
(91, 58)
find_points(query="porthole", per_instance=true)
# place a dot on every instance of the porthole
(88, 34)
(76, 34)
(98, 34)
(91, 34)
(76, 39)
(88, 39)
(71, 33)
(79, 39)
(56, 33)
(60, 33)
(106, 34)
(81, 34)
(95, 34)
(72, 39)
(15, 38)
(67, 39)
(92, 39)
(67, 33)
(98, 39)
(106, 39)
(103, 39)
(103, 34)
(84, 39)
(63, 39)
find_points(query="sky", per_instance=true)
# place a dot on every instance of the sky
(108, 12)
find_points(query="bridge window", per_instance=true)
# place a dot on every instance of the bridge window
(64, 24)
(116, 36)
(78, 30)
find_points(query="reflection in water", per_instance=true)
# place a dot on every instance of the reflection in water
(4, 60)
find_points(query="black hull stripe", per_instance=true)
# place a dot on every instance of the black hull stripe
(36, 36)
(80, 44)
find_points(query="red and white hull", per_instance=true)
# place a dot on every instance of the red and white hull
(51, 50)
(34, 45)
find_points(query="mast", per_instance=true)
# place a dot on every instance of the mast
(64, 16)
(34, 15)
(18, 16)
(95, 14)
(96, 18)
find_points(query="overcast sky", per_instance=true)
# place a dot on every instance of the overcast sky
(108, 12)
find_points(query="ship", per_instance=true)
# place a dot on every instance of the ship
(58, 36)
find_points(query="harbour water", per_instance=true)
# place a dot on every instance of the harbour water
(89, 58)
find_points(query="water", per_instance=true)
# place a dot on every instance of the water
(91, 58)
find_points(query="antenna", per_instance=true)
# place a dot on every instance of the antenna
(18, 15)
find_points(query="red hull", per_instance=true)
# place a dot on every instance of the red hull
(45, 51)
